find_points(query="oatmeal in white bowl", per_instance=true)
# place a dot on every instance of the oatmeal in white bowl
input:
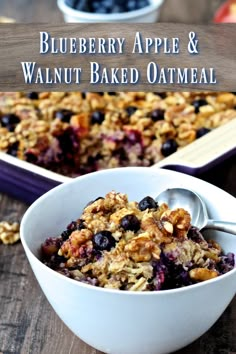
(146, 320)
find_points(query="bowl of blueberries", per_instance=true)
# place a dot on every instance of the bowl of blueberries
(110, 10)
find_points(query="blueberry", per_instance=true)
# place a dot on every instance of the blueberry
(9, 121)
(31, 157)
(72, 226)
(199, 103)
(201, 132)
(142, 3)
(55, 262)
(131, 5)
(147, 203)
(95, 6)
(121, 2)
(158, 114)
(226, 263)
(230, 259)
(80, 224)
(102, 10)
(121, 154)
(66, 234)
(64, 115)
(13, 149)
(103, 240)
(117, 9)
(33, 95)
(93, 201)
(169, 147)
(51, 246)
(71, 3)
(68, 143)
(131, 110)
(109, 4)
(130, 222)
(81, 5)
(163, 95)
(97, 117)
(195, 234)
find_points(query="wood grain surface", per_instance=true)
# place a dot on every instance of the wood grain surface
(216, 51)
(187, 11)
(28, 325)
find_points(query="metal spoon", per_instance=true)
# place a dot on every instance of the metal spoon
(190, 201)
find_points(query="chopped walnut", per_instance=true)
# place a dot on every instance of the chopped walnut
(202, 274)
(9, 232)
(71, 247)
(142, 248)
(180, 220)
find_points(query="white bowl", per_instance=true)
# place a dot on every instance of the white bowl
(147, 14)
(120, 322)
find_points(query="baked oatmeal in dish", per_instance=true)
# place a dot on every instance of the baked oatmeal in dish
(136, 246)
(76, 133)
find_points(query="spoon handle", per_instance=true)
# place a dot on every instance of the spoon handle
(225, 226)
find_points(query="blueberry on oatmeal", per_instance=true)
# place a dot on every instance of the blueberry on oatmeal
(65, 234)
(169, 147)
(9, 121)
(199, 103)
(147, 203)
(13, 149)
(33, 95)
(31, 157)
(64, 115)
(130, 222)
(131, 110)
(97, 117)
(51, 246)
(158, 114)
(201, 132)
(103, 240)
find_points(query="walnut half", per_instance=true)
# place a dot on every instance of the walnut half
(202, 274)
(142, 248)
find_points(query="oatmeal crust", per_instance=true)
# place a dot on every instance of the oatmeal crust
(75, 133)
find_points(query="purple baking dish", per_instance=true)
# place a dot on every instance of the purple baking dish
(24, 180)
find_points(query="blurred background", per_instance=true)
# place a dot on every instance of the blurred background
(181, 11)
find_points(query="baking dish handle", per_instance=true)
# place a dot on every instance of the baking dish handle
(204, 151)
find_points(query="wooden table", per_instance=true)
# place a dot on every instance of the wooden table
(27, 322)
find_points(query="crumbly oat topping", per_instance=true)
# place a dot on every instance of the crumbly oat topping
(75, 133)
(141, 246)
(9, 232)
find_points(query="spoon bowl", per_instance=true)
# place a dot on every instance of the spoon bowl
(192, 202)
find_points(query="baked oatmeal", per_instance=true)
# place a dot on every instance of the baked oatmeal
(135, 246)
(76, 133)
